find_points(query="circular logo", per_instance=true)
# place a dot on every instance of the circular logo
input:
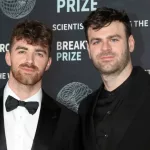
(17, 9)
(72, 94)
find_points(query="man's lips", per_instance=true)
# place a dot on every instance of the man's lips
(28, 69)
(107, 57)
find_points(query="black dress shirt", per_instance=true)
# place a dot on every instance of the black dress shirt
(107, 103)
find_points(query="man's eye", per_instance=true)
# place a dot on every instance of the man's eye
(96, 42)
(40, 54)
(21, 52)
(114, 40)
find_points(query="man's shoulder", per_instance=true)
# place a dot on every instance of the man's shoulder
(88, 101)
(2, 90)
(52, 104)
(142, 77)
(140, 72)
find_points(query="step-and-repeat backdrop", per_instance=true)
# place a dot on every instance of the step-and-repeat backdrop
(72, 75)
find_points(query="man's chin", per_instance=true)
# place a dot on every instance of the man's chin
(27, 80)
(108, 70)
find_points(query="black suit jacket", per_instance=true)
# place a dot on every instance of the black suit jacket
(129, 125)
(57, 129)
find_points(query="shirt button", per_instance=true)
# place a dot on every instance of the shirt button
(108, 112)
(106, 135)
(110, 94)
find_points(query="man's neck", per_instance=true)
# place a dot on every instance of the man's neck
(112, 81)
(23, 91)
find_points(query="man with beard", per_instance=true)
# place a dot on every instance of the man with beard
(116, 116)
(29, 118)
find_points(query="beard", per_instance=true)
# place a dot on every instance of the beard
(26, 78)
(112, 66)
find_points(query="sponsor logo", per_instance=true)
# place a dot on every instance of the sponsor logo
(4, 76)
(70, 50)
(139, 23)
(76, 5)
(148, 71)
(4, 47)
(17, 9)
(65, 27)
(72, 94)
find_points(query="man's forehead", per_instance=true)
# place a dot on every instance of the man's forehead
(113, 23)
(112, 28)
(28, 42)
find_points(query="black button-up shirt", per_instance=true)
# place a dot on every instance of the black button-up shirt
(106, 105)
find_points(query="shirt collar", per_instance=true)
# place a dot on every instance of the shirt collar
(36, 97)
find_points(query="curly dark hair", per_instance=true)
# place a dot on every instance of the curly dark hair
(34, 32)
(104, 16)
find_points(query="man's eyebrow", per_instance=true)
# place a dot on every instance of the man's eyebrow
(21, 47)
(109, 37)
(113, 36)
(37, 50)
(41, 50)
(95, 39)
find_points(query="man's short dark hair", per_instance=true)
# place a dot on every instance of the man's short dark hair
(34, 32)
(104, 16)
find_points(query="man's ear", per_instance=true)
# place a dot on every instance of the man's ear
(131, 43)
(48, 63)
(7, 58)
(88, 49)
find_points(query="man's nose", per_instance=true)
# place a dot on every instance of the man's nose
(30, 58)
(106, 46)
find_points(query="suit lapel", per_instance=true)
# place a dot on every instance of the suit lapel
(47, 124)
(2, 129)
(122, 120)
(88, 124)
(132, 101)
